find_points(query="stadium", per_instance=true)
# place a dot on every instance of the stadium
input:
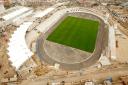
(63, 42)
(74, 41)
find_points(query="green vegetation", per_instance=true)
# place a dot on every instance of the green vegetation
(77, 33)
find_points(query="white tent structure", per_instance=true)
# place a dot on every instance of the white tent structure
(15, 13)
(18, 50)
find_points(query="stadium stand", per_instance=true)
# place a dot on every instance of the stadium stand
(18, 50)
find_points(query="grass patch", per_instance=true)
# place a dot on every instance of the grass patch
(77, 33)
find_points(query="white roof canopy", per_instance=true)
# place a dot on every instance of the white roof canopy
(15, 13)
(18, 50)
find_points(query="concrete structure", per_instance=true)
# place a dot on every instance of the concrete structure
(15, 13)
(104, 60)
(112, 43)
(11, 14)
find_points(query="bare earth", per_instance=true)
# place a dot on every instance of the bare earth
(122, 49)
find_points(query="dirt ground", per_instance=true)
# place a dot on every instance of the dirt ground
(122, 48)
(6, 70)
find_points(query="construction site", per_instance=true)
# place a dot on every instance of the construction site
(64, 42)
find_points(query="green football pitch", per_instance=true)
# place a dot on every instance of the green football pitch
(77, 33)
